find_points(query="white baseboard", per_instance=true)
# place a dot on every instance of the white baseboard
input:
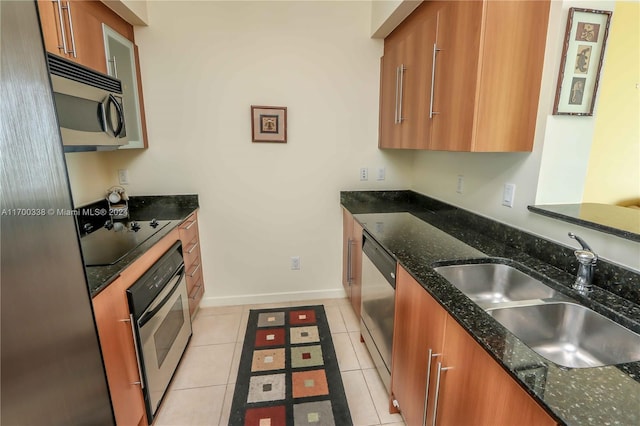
(249, 299)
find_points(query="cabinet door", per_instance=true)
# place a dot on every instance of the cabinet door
(347, 268)
(417, 84)
(390, 128)
(352, 260)
(87, 34)
(118, 351)
(120, 55)
(417, 343)
(458, 43)
(356, 259)
(474, 389)
(50, 24)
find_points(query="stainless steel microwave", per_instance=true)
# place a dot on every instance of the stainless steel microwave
(89, 105)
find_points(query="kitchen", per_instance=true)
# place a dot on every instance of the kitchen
(262, 204)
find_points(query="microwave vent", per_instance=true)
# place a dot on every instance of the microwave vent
(71, 70)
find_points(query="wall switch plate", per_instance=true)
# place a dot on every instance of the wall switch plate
(123, 176)
(509, 194)
(364, 173)
(381, 173)
(460, 186)
(295, 263)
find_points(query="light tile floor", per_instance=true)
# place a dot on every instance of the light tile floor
(202, 389)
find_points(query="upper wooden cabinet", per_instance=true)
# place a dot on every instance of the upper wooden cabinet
(406, 85)
(73, 29)
(480, 68)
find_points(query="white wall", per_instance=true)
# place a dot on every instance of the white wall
(386, 15)
(203, 65)
(435, 173)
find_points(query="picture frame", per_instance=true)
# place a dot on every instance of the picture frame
(269, 124)
(582, 56)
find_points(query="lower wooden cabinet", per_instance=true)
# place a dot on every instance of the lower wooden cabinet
(439, 371)
(111, 311)
(192, 261)
(352, 259)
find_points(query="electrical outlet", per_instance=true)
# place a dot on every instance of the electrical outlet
(295, 263)
(123, 176)
(508, 194)
(364, 173)
(381, 173)
(460, 186)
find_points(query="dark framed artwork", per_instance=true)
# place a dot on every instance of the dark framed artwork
(582, 56)
(269, 124)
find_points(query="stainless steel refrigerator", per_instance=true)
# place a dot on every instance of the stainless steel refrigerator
(51, 367)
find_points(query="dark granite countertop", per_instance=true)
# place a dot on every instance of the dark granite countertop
(172, 208)
(623, 222)
(423, 233)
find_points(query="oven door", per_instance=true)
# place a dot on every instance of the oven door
(164, 329)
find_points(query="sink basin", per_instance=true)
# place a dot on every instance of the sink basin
(495, 283)
(570, 335)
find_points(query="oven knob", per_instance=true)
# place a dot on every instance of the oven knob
(109, 225)
(154, 223)
(135, 226)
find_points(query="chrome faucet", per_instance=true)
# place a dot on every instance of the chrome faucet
(587, 264)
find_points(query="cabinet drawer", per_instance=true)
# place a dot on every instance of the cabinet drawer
(193, 280)
(194, 270)
(195, 295)
(189, 229)
(190, 252)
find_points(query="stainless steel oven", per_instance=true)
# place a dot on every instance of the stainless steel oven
(378, 305)
(160, 313)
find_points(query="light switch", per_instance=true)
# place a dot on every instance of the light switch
(508, 194)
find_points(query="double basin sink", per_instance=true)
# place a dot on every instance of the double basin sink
(550, 323)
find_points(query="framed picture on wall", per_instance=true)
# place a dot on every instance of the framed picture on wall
(269, 124)
(582, 56)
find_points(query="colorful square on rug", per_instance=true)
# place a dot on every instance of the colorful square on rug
(267, 360)
(288, 373)
(310, 383)
(306, 356)
(269, 387)
(269, 337)
(268, 416)
(271, 319)
(307, 316)
(313, 414)
(304, 335)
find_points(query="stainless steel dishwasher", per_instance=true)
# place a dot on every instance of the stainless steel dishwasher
(378, 300)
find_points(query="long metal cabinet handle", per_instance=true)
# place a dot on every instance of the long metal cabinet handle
(62, 28)
(193, 247)
(402, 68)
(73, 39)
(435, 401)
(395, 120)
(433, 79)
(135, 346)
(430, 358)
(349, 245)
(192, 274)
(190, 225)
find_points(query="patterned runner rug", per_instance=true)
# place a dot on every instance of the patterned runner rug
(289, 372)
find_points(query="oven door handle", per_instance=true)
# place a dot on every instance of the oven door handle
(163, 297)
